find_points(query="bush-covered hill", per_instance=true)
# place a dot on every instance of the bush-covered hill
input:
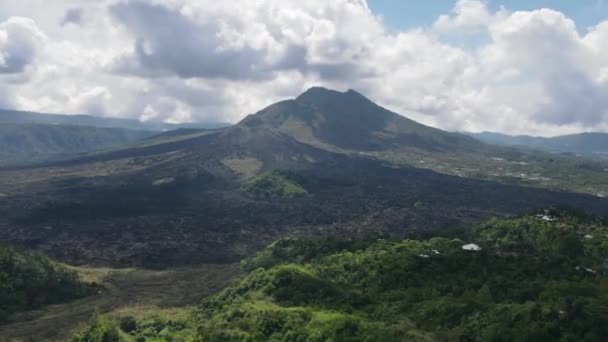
(532, 278)
(29, 281)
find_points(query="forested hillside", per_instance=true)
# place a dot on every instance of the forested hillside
(532, 278)
(29, 281)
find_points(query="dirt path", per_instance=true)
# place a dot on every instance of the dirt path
(121, 288)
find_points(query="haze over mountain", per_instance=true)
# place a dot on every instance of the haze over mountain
(583, 143)
(315, 165)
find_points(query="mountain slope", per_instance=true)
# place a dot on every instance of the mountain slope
(347, 122)
(350, 121)
(584, 143)
(26, 143)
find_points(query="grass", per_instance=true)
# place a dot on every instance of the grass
(275, 184)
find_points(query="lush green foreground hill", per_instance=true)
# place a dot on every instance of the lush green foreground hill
(536, 278)
(31, 281)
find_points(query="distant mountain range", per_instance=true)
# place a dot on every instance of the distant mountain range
(21, 117)
(32, 143)
(27, 137)
(583, 143)
(324, 163)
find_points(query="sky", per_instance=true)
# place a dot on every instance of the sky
(511, 66)
(399, 15)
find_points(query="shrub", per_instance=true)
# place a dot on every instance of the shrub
(127, 324)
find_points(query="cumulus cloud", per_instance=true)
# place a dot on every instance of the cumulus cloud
(183, 60)
(245, 40)
(544, 47)
(20, 41)
(166, 109)
(73, 16)
(467, 15)
(92, 101)
(180, 45)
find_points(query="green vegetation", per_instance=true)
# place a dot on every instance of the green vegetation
(275, 184)
(29, 281)
(158, 326)
(536, 278)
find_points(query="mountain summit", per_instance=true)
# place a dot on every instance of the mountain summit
(350, 121)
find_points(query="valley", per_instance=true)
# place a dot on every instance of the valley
(160, 223)
(303, 171)
(181, 197)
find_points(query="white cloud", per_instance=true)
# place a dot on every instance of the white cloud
(166, 109)
(532, 72)
(20, 41)
(545, 47)
(92, 101)
(467, 15)
(73, 16)
(245, 41)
